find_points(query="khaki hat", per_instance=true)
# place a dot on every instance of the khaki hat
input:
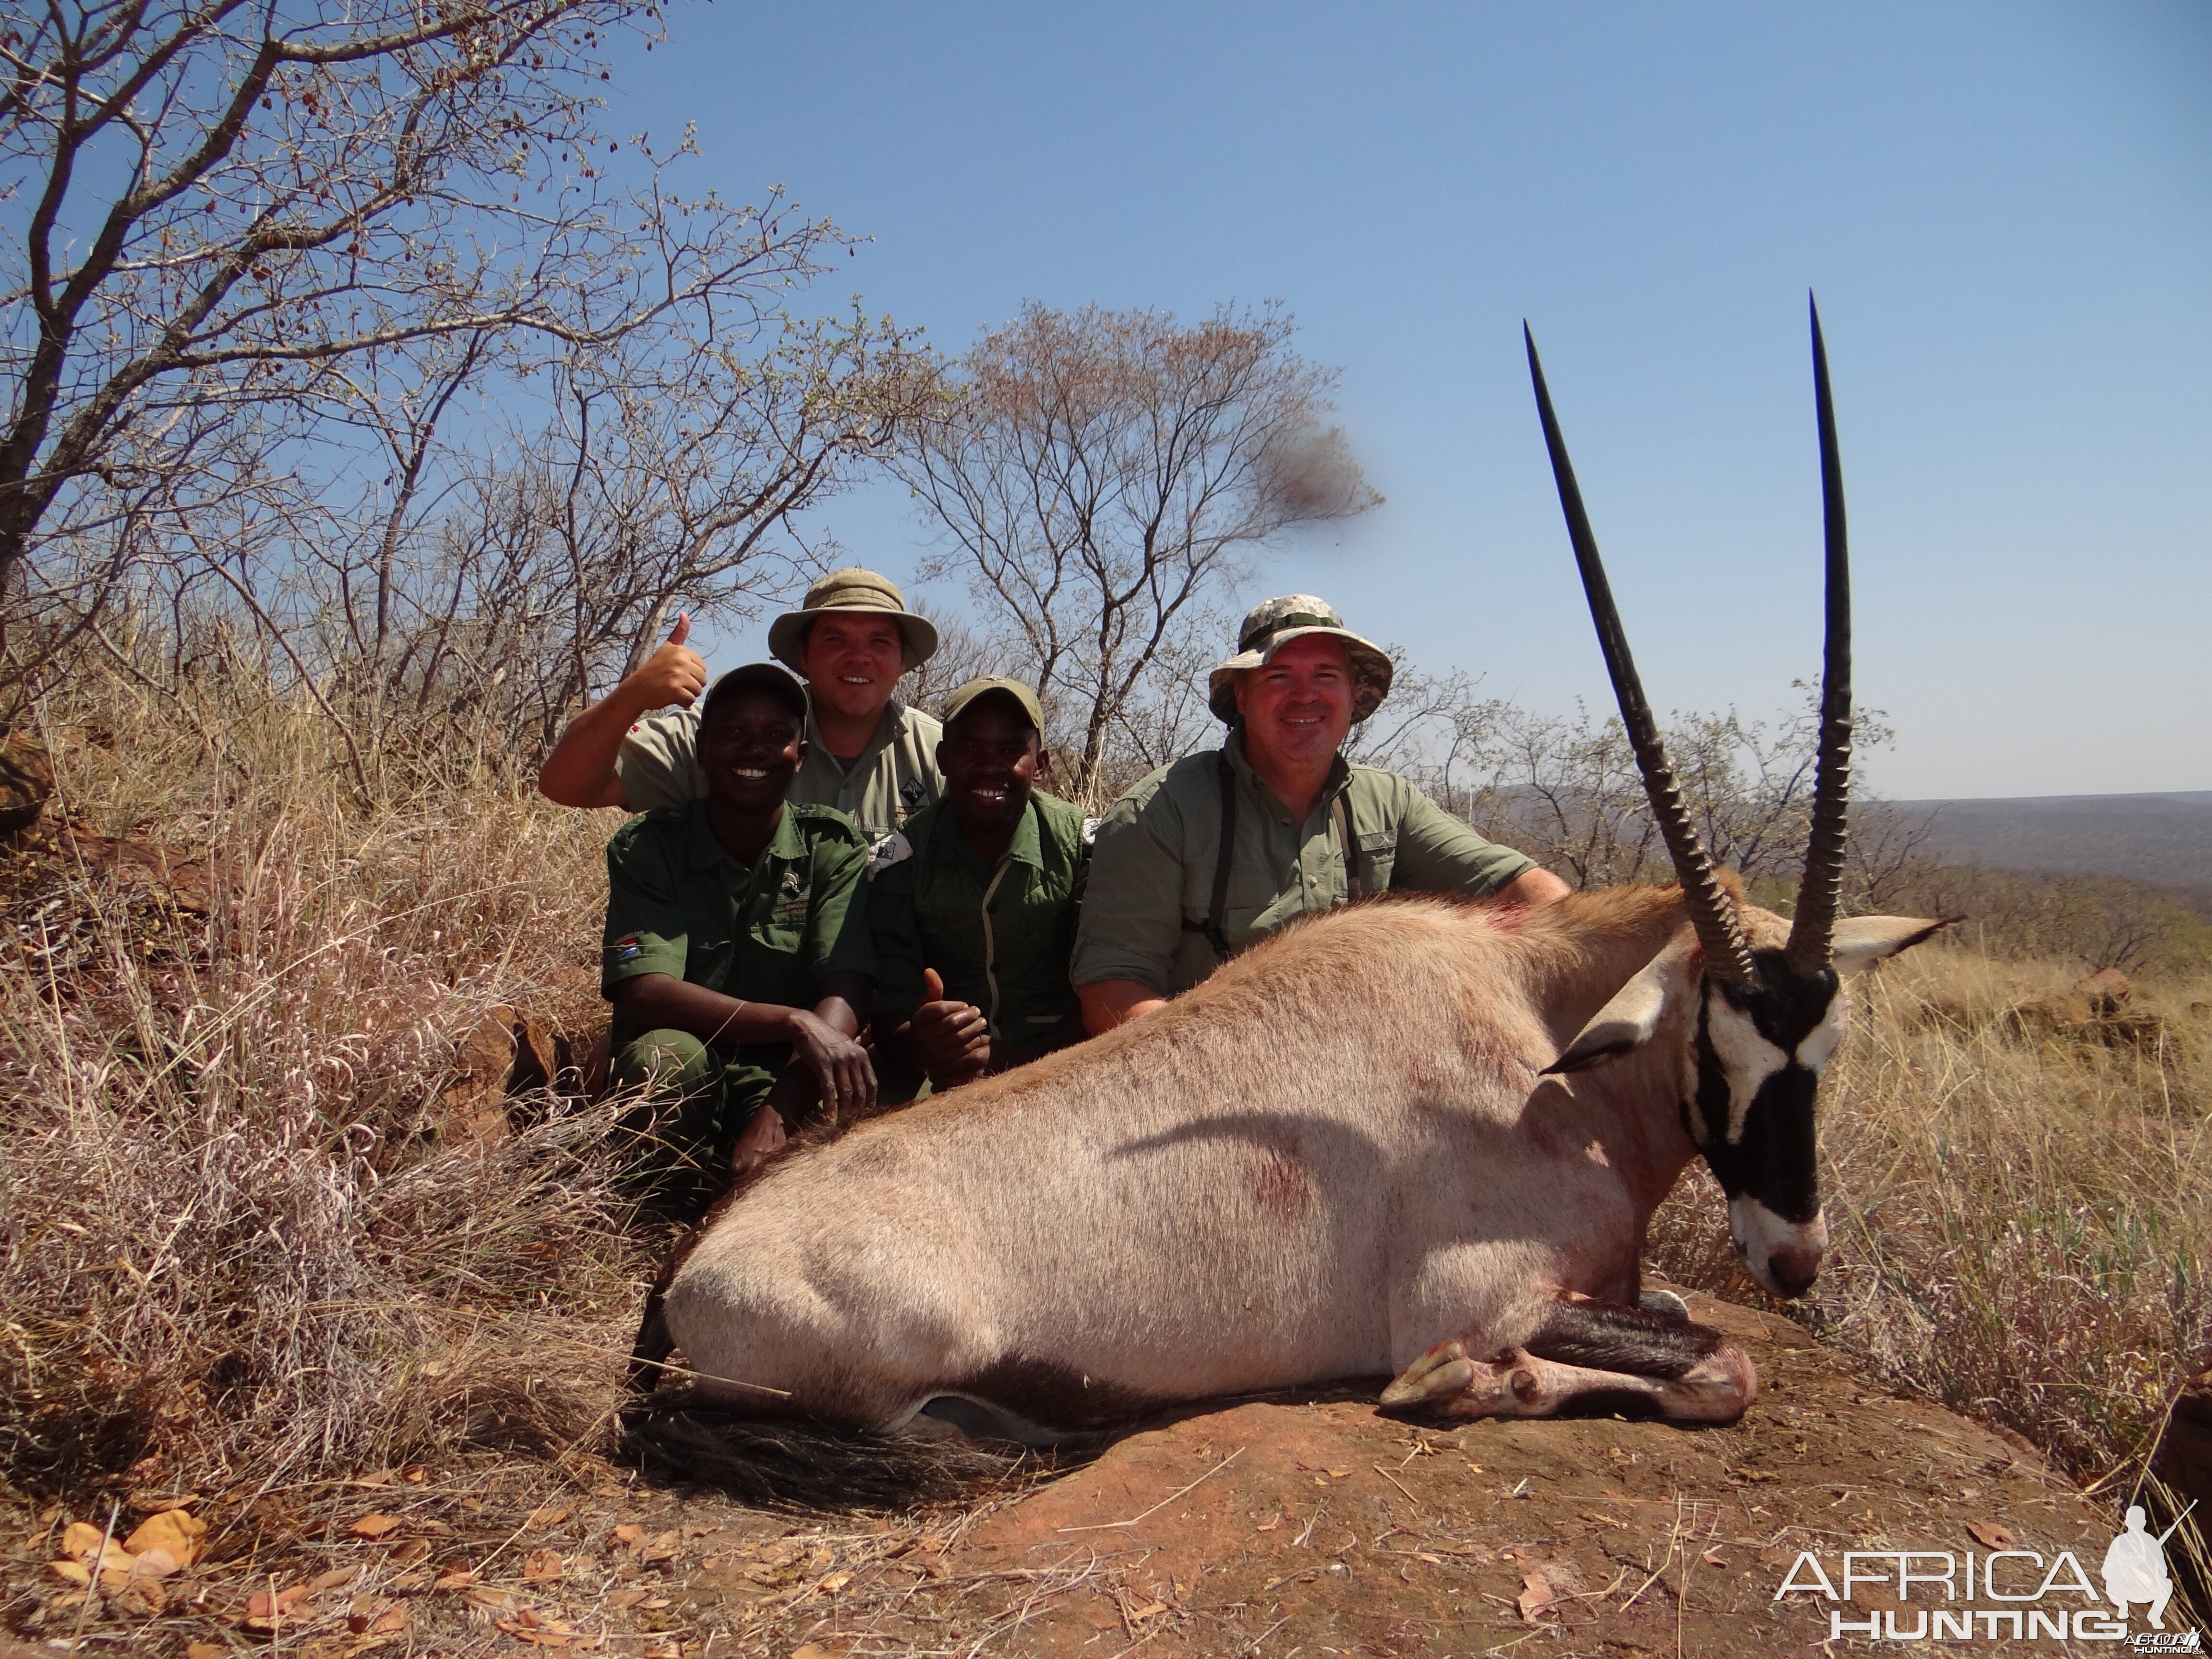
(959, 702)
(852, 589)
(1274, 623)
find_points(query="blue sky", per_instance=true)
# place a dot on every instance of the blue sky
(2006, 210)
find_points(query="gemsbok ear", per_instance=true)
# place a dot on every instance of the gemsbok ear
(1634, 1014)
(1863, 941)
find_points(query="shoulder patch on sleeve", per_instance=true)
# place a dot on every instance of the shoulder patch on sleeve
(1090, 831)
(894, 848)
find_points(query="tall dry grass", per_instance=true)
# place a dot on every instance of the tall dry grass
(2022, 1218)
(234, 1249)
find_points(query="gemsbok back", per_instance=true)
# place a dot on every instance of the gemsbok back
(1411, 1138)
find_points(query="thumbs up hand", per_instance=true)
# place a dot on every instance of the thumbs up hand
(674, 674)
(952, 1040)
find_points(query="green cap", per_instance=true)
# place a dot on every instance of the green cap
(769, 677)
(1274, 623)
(1031, 708)
(851, 589)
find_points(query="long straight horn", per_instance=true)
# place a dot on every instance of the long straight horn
(1727, 957)
(1812, 934)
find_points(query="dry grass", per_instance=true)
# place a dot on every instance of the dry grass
(2022, 1220)
(233, 1247)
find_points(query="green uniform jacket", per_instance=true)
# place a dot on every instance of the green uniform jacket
(886, 783)
(678, 904)
(1152, 868)
(999, 937)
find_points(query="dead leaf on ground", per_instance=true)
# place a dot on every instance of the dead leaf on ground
(408, 1552)
(1148, 1611)
(811, 1650)
(627, 1534)
(489, 1596)
(390, 1622)
(177, 1531)
(623, 1599)
(205, 1650)
(144, 1596)
(527, 1626)
(374, 1526)
(156, 1562)
(456, 1578)
(663, 1547)
(335, 1579)
(551, 1514)
(1714, 1558)
(1535, 1598)
(266, 1612)
(540, 1566)
(1993, 1535)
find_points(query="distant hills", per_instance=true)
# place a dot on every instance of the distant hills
(2161, 838)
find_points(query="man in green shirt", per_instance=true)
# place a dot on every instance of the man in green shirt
(973, 905)
(737, 955)
(867, 754)
(1172, 896)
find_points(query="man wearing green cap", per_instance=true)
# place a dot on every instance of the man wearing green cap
(737, 954)
(973, 905)
(1208, 856)
(867, 754)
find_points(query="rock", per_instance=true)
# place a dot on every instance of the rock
(2094, 1010)
(2099, 995)
(27, 781)
(505, 1054)
(2184, 1458)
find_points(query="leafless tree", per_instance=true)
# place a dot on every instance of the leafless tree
(227, 210)
(1098, 475)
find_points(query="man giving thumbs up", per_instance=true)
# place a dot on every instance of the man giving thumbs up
(868, 755)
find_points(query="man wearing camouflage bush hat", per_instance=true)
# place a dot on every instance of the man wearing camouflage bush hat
(867, 754)
(1206, 857)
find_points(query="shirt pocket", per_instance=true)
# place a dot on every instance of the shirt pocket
(1378, 855)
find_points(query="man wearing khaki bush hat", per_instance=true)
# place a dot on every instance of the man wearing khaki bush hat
(1206, 857)
(868, 754)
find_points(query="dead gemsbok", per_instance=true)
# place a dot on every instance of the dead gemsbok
(1410, 1137)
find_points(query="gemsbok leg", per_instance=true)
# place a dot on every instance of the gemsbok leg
(1589, 1358)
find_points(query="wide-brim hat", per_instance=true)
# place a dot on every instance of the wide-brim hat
(852, 589)
(996, 685)
(1274, 623)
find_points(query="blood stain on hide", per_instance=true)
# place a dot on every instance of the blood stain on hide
(1280, 1183)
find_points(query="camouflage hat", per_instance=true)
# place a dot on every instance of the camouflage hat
(1031, 710)
(851, 589)
(1274, 623)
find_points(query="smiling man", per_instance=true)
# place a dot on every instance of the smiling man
(973, 906)
(737, 955)
(867, 754)
(1208, 856)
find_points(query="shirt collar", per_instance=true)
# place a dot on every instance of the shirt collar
(886, 732)
(1340, 776)
(704, 851)
(1027, 846)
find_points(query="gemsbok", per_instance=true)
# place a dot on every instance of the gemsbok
(1411, 1136)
